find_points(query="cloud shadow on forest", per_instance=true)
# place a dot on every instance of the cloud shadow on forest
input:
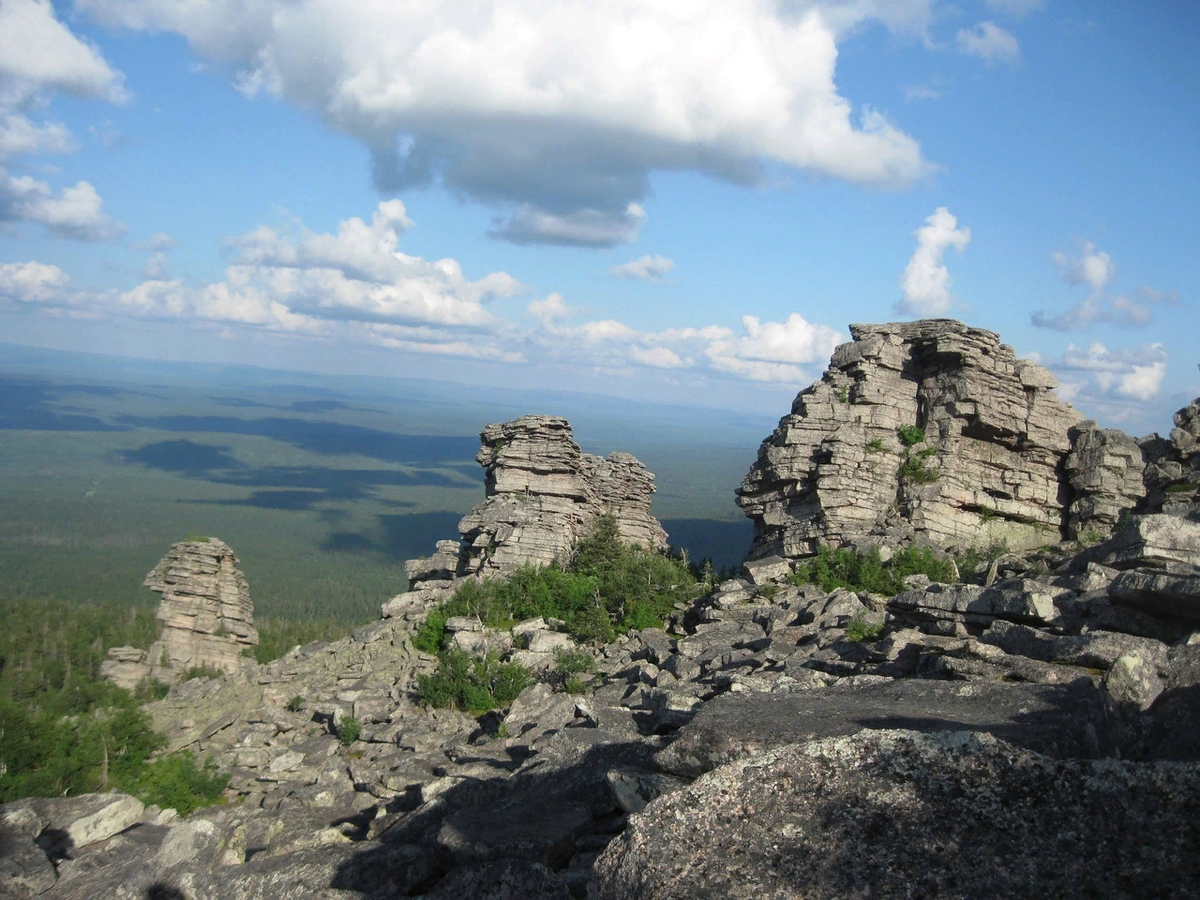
(284, 487)
(403, 536)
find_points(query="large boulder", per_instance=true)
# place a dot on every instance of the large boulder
(903, 814)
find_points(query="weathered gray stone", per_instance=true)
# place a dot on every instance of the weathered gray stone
(905, 814)
(1094, 650)
(1066, 721)
(1173, 596)
(834, 470)
(1105, 469)
(1157, 541)
(1133, 682)
(206, 613)
(509, 879)
(544, 494)
(1018, 600)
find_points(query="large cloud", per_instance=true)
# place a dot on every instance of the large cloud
(558, 110)
(926, 281)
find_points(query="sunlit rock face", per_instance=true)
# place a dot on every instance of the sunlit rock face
(206, 613)
(544, 494)
(847, 465)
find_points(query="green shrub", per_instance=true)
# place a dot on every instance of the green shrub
(349, 730)
(574, 662)
(913, 468)
(609, 587)
(844, 394)
(473, 684)
(574, 685)
(176, 782)
(861, 628)
(200, 672)
(971, 562)
(150, 689)
(875, 445)
(843, 568)
(910, 435)
(295, 704)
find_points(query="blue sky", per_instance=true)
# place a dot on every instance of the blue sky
(686, 202)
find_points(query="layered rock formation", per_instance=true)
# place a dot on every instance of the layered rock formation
(207, 616)
(544, 494)
(984, 466)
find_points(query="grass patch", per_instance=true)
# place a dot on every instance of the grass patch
(910, 435)
(610, 587)
(349, 730)
(200, 672)
(831, 569)
(875, 445)
(863, 629)
(475, 685)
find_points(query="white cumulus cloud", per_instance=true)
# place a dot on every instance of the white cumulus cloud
(1131, 374)
(989, 42)
(39, 57)
(645, 268)
(557, 112)
(77, 212)
(32, 282)
(926, 281)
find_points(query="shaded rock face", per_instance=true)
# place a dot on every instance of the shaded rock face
(903, 814)
(837, 472)
(1105, 469)
(543, 494)
(207, 616)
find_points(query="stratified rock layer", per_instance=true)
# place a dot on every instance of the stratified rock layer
(836, 471)
(207, 616)
(544, 494)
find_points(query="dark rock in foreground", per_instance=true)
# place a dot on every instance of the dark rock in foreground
(1063, 721)
(903, 814)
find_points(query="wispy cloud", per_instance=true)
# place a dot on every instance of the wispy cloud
(645, 268)
(989, 42)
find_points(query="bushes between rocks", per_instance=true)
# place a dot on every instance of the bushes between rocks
(831, 569)
(473, 684)
(610, 587)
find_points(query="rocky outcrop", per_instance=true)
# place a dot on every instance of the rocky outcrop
(206, 613)
(1105, 470)
(544, 494)
(926, 429)
(1173, 470)
(1057, 668)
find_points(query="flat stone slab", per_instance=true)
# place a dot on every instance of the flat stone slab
(1058, 720)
